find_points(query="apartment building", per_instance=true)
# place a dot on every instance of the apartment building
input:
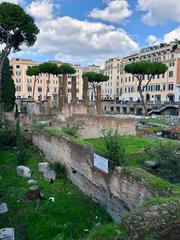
(163, 87)
(24, 84)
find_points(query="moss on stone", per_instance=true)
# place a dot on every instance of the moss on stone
(59, 133)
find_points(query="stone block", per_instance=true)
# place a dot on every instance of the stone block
(50, 176)
(24, 171)
(43, 167)
(3, 208)
(7, 234)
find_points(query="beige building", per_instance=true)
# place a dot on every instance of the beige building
(163, 87)
(24, 83)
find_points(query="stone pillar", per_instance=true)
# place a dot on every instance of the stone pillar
(65, 98)
(98, 100)
(49, 104)
(85, 91)
(40, 104)
(60, 95)
(73, 90)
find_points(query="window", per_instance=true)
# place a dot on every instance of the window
(17, 66)
(129, 79)
(164, 87)
(170, 87)
(18, 89)
(172, 64)
(39, 81)
(157, 87)
(170, 73)
(18, 80)
(39, 89)
(29, 89)
(163, 75)
(18, 73)
(55, 90)
(29, 81)
(55, 81)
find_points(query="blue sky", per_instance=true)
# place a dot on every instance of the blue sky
(90, 31)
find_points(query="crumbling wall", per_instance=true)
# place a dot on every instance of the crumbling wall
(117, 192)
(93, 125)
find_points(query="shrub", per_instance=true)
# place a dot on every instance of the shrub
(21, 154)
(59, 169)
(168, 156)
(114, 147)
(7, 135)
(73, 129)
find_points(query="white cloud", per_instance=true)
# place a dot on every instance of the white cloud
(152, 40)
(116, 11)
(171, 36)
(11, 1)
(72, 40)
(41, 9)
(159, 11)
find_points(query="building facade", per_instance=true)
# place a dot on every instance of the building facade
(162, 88)
(24, 83)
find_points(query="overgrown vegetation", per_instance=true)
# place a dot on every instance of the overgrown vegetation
(21, 153)
(133, 146)
(59, 169)
(66, 218)
(114, 147)
(73, 129)
(8, 88)
(7, 135)
(168, 157)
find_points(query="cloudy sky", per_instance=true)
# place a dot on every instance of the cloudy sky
(90, 31)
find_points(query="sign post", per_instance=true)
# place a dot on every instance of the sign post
(101, 163)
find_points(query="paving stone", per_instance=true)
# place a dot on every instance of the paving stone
(7, 234)
(3, 208)
(43, 167)
(23, 171)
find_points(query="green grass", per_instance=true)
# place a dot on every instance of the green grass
(154, 120)
(108, 232)
(67, 217)
(134, 148)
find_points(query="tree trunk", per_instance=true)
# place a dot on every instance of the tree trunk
(48, 83)
(60, 95)
(142, 99)
(85, 91)
(40, 104)
(98, 100)
(65, 88)
(73, 90)
(35, 80)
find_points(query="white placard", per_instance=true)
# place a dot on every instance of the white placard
(101, 163)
